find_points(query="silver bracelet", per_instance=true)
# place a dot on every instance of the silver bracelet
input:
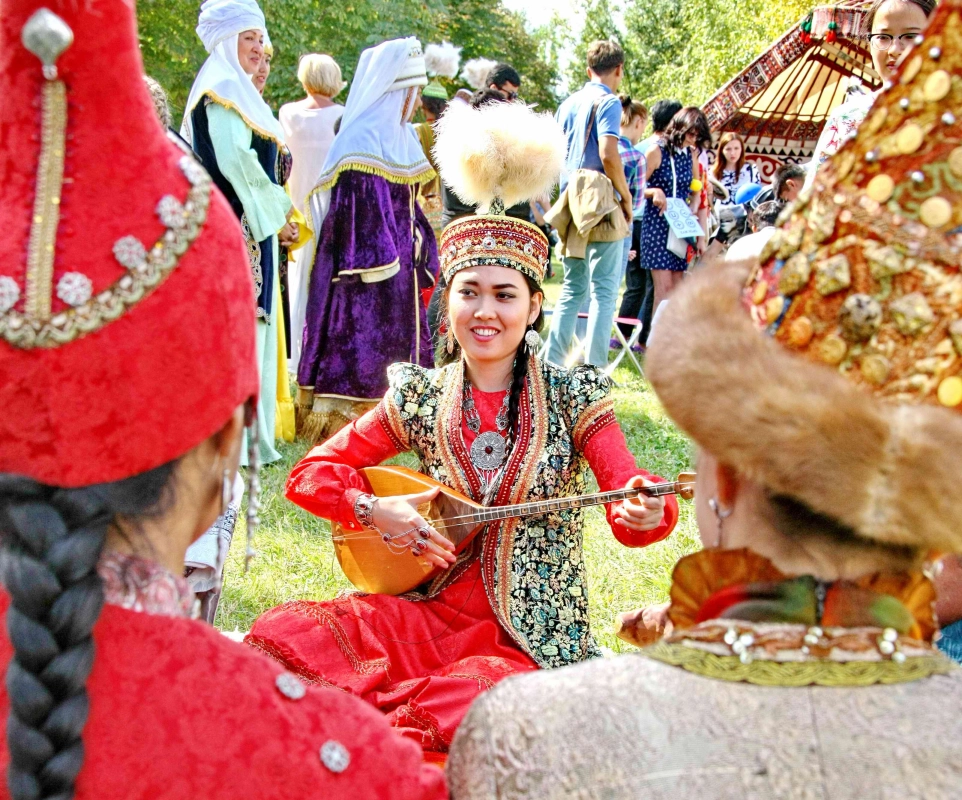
(364, 510)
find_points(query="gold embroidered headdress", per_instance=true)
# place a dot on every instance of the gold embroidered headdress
(853, 407)
(865, 275)
(492, 158)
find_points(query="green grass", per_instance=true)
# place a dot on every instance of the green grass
(296, 559)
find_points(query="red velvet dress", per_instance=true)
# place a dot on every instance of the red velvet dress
(180, 712)
(421, 662)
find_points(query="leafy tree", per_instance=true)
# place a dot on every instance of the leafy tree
(687, 49)
(173, 54)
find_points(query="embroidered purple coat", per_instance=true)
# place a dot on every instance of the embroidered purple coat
(376, 254)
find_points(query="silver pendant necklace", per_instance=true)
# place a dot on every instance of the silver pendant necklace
(489, 449)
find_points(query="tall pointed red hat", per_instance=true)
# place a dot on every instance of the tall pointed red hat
(126, 301)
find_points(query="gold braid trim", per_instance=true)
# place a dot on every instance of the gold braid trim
(422, 174)
(798, 673)
(46, 204)
(215, 98)
(26, 331)
(323, 617)
(276, 654)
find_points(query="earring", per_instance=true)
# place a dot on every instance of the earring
(533, 339)
(253, 489)
(449, 346)
(226, 491)
(721, 514)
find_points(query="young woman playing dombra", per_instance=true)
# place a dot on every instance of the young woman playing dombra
(516, 599)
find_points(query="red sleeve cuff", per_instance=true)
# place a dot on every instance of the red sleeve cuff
(630, 538)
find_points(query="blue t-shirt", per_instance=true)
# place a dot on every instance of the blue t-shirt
(574, 114)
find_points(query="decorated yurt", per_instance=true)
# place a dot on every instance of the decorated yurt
(780, 102)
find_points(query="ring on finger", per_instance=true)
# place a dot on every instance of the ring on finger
(424, 533)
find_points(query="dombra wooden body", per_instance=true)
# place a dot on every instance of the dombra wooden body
(374, 567)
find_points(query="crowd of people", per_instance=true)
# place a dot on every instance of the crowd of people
(807, 336)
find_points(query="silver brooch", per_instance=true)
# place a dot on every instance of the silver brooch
(193, 171)
(74, 289)
(289, 686)
(47, 36)
(171, 212)
(335, 757)
(130, 252)
(9, 293)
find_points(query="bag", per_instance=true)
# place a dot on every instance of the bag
(677, 245)
(682, 224)
(584, 146)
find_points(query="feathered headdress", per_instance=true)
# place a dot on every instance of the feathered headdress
(494, 157)
(476, 70)
(442, 60)
(501, 151)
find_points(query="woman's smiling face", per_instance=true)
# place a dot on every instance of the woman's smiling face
(263, 73)
(250, 50)
(490, 308)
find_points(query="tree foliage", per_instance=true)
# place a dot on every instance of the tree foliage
(687, 49)
(173, 54)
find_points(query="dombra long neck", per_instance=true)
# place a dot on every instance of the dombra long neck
(484, 515)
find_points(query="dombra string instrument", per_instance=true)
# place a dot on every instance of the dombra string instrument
(378, 569)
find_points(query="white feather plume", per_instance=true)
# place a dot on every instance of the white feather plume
(476, 70)
(501, 150)
(442, 60)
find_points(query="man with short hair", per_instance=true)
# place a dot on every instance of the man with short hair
(505, 80)
(591, 119)
(762, 221)
(785, 186)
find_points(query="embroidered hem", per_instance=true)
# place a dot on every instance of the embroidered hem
(814, 672)
(422, 172)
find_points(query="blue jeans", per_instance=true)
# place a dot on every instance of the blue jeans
(597, 276)
(624, 260)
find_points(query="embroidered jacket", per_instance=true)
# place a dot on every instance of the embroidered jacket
(533, 568)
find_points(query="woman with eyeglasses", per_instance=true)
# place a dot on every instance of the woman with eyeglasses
(891, 27)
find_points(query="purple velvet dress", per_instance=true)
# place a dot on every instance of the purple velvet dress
(364, 308)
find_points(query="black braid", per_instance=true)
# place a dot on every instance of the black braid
(520, 372)
(52, 541)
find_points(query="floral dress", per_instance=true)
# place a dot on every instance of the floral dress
(733, 182)
(655, 254)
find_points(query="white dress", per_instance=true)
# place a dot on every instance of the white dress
(308, 133)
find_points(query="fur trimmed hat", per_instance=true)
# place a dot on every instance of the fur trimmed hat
(492, 158)
(851, 404)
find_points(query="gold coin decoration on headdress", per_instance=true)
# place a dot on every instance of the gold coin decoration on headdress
(865, 275)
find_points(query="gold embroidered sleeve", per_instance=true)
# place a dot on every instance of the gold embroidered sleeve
(592, 404)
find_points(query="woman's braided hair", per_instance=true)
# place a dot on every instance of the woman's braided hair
(52, 540)
(520, 370)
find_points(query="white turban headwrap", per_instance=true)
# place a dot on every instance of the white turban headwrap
(376, 136)
(220, 19)
(222, 78)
